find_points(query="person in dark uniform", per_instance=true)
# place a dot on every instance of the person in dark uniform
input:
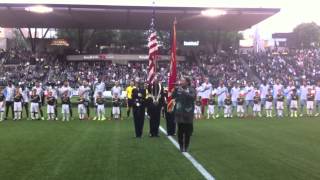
(170, 121)
(138, 97)
(154, 105)
(184, 96)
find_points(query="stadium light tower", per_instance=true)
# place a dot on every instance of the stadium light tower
(39, 9)
(213, 12)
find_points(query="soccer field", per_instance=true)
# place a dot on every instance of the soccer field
(247, 149)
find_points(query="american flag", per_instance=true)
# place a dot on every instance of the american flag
(153, 52)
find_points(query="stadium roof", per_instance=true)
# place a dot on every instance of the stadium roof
(130, 17)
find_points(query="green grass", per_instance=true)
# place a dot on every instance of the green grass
(246, 149)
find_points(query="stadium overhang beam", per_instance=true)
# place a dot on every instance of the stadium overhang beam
(131, 17)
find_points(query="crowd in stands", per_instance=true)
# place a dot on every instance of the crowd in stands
(298, 65)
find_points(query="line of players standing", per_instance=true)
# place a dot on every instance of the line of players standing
(241, 98)
(140, 97)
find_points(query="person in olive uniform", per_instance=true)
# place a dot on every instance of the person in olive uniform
(185, 97)
(138, 98)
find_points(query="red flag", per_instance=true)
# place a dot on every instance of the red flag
(173, 69)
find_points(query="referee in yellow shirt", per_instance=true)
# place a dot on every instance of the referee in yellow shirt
(129, 97)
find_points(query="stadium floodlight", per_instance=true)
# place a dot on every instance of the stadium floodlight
(39, 9)
(213, 12)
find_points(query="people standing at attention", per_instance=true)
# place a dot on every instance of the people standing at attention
(39, 90)
(228, 107)
(317, 98)
(51, 103)
(287, 93)
(129, 90)
(66, 104)
(257, 105)
(197, 108)
(303, 97)
(138, 108)
(184, 96)
(9, 94)
(81, 107)
(17, 106)
(269, 101)
(66, 89)
(263, 93)
(85, 91)
(221, 93)
(34, 106)
(294, 104)
(280, 102)
(206, 88)
(2, 105)
(98, 87)
(235, 91)
(212, 103)
(310, 102)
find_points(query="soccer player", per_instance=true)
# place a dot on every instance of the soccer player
(197, 108)
(303, 96)
(116, 106)
(26, 98)
(81, 107)
(249, 96)
(34, 107)
(287, 93)
(2, 105)
(206, 92)
(85, 90)
(263, 93)
(228, 107)
(129, 97)
(269, 101)
(65, 109)
(221, 93)
(212, 103)
(66, 89)
(257, 104)
(317, 98)
(17, 106)
(310, 102)
(235, 91)
(240, 104)
(39, 91)
(276, 88)
(100, 107)
(51, 103)
(294, 104)
(280, 100)
(98, 87)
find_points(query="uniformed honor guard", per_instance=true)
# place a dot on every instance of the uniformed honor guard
(184, 108)
(171, 123)
(138, 98)
(155, 103)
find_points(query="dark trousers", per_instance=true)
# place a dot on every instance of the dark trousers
(138, 119)
(184, 133)
(26, 107)
(129, 107)
(171, 124)
(155, 114)
(88, 109)
(9, 104)
(70, 109)
(40, 108)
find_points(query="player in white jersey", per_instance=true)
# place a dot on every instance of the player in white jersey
(39, 91)
(221, 93)
(2, 105)
(303, 97)
(249, 89)
(99, 87)
(206, 93)
(66, 90)
(317, 98)
(17, 106)
(287, 93)
(263, 93)
(26, 98)
(235, 91)
(85, 90)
